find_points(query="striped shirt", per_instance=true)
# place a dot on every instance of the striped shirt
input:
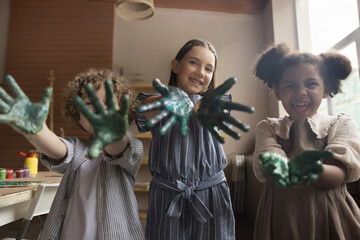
(116, 210)
(187, 160)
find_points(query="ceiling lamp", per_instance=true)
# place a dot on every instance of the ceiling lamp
(134, 10)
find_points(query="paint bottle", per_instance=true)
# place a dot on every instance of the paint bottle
(26, 172)
(9, 173)
(2, 173)
(20, 173)
(31, 162)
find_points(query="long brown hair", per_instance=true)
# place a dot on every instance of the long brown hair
(185, 49)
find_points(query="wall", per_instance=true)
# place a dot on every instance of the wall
(147, 47)
(66, 36)
(4, 23)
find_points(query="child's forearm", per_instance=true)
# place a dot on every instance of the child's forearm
(116, 148)
(333, 176)
(48, 143)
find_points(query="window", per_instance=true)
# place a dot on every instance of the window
(334, 24)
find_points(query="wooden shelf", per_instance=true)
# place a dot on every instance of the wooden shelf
(142, 87)
(145, 161)
(146, 135)
(142, 214)
(141, 187)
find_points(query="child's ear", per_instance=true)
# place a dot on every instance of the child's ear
(174, 65)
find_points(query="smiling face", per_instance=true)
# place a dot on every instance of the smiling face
(301, 90)
(195, 70)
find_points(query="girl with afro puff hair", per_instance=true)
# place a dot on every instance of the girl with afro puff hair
(324, 209)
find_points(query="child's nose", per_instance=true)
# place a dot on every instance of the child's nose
(200, 71)
(301, 91)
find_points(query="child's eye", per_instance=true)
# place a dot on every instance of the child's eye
(210, 70)
(289, 86)
(312, 84)
(193, 63)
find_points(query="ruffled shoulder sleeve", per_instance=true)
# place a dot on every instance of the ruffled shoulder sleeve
(344, 141)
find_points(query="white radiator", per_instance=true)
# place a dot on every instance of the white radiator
(238, 183)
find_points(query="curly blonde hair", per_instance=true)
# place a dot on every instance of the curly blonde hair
(96, 77)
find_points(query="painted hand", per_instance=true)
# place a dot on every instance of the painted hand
(20, 113)
(109, 124)
(306, 166)
(175, 104)
(212, 116)
(276, 167)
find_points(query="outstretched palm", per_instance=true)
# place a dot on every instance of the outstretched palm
(175, 104)
(109, 124)
(19, 112)
(304, 168)
(276, 167)
(212, 116)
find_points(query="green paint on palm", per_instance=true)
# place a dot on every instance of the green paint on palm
(19, 112)
(211, 113)
(109, 124)
(304, 168)
(175, 104)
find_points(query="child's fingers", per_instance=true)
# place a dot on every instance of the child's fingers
(124, 104)
(83, 108)
(228, 131)
(94, 99)
(4, 118)
(318, 167)
(110, 101)
(238, 106)
(314, 155)
(169, 123)
(150, 106)
(94, 150)
(46, 97)
(4, 107)
(229, 119)
(282, 183)
(223, 88)
(271, 156)
(217, 135)
(6, 97)
(159, 87)
(157, 118)
(15, 88)
(313, 177)
(184, 127)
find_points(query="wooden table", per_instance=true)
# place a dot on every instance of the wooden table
(14, 201)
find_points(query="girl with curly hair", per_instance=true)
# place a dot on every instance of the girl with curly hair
(322, 208)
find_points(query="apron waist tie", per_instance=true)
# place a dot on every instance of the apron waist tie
(185, 192)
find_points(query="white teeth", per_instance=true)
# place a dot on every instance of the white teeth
(197, 82)
(301, 104)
